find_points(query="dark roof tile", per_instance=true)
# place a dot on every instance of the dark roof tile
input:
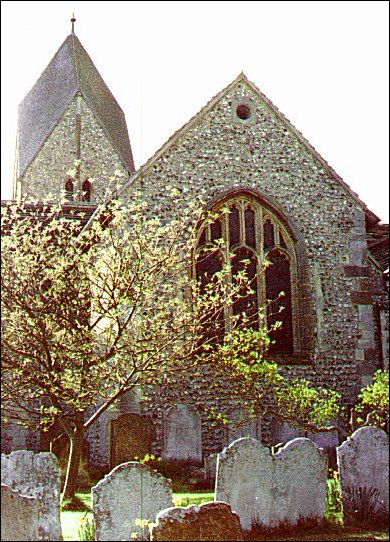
(70, 71)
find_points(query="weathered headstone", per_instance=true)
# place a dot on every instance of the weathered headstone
(19, 516)
(209, 521)
(182, 435)
(283, 432)
(269, 489)
(300, 471)
(244, 480)
(363, 462)
(131, 437)
(128, 495)
(36, 475)
(241, 425)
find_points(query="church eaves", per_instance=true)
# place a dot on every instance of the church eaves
(71, 71)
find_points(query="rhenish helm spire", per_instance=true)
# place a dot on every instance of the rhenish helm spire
(49, 127)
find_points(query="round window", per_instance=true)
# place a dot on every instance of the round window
(243, 111)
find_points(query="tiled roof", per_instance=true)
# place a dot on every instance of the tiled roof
(378, 244)
(70, 71)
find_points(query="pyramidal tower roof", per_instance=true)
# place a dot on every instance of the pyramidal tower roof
(71, 71)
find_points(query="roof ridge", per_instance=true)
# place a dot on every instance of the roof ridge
(76, 68)
(70, 70)
(192, 121)
(301, 138)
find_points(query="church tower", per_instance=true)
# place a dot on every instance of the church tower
(72, 133)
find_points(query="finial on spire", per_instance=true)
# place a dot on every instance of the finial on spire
(73, 20)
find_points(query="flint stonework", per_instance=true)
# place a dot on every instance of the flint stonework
(130, 493)
(36, 475)
(270, 489)
(363, 462)
(19, 516)
(209, 521)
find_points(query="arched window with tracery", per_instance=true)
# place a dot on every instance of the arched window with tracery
(257, 239)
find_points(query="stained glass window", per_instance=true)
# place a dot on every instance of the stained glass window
(252, 234)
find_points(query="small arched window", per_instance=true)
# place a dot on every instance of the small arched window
(87, 189)
(69, 190)
(257, 240)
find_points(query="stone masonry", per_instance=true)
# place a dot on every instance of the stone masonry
(55, 162)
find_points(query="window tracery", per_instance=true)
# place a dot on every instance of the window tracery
(253, 235)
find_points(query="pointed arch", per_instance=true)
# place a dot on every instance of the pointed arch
(256, 230)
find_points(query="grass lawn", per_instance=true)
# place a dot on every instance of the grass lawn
(72, 520)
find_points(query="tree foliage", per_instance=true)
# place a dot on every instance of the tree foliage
(372, 407)
(90, 315)
(266, 390)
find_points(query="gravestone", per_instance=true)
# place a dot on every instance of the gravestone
(19, 516)
(209, 521)
(36, 475)
(282, 432)
(130, 493)
(241, 425)
(131, 437)
(182, 435)
(270, 489)
(210, 468)
(244, 480)
(299, 482)
(363, 462)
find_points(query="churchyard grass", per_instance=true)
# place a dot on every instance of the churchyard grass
(72, 521)
(185, 499)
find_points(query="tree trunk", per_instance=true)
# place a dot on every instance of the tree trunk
(75, 452)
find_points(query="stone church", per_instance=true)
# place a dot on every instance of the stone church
(328, 250)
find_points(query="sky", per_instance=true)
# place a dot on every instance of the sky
(324, 64)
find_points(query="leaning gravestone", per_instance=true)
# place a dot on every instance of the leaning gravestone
(128, 495)
(363, 461)
(36, 475)
(270, 489)
(209, 521)
(19, 516)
